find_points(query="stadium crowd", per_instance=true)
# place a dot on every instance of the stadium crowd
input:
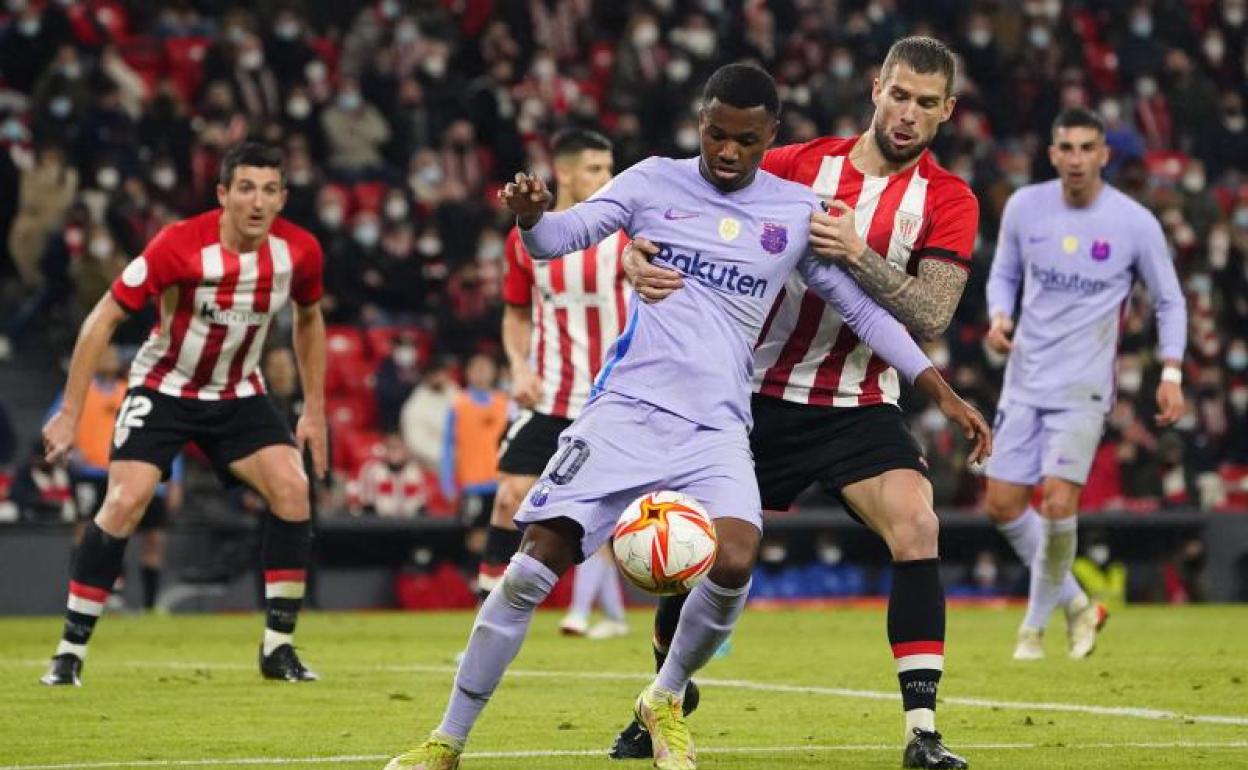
(400, 120)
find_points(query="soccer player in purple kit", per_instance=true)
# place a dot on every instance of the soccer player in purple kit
(670, 409)
(1075, 246)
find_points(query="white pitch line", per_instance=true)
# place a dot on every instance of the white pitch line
(556, 754)
(745, 684)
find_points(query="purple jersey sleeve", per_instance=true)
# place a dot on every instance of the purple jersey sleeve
(1156, 269)
(588, 222)
(873, 324)
(1006, 275)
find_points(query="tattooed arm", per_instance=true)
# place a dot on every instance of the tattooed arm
(925, 304)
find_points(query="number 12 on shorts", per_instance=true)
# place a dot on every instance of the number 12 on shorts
(131, 415)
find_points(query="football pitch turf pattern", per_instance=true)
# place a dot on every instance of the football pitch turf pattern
(1167, 688)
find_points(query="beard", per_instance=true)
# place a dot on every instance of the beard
(890, 151)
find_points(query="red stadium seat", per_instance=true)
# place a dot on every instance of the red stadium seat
(348, 368)
(184, 57)
(368, 195)
(353, 447)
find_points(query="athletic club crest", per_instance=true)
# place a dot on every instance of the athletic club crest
(906, 227)
(774, 238)
(1100, 250)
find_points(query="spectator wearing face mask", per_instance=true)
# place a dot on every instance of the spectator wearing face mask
(397, 376)
(95, 267)
(46, 191)
(393, 485)
(286, 48)
(423, 419)
(355, 132)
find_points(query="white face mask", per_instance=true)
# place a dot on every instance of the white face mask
(101, 247)
(842, 67)
(1239, 399)
(61, 107)
(164, 178)
(1233, 15)
(434, 67)
(331, 216)
(1215, 49)
(316, 71)
(980, 37)
(687, 139)
(678, 70)
(405, 356)
(1142, 26)
(645, 36)
(544, 68)
(396, 209)
(1237, 359)
(1039, 37)
(367, 234)
(29, 27)
(429, 245)
(490, 251)
(1146, 87)
(349, 101)
(108, 178)
(299, 107)
(700, 42)
(406, 33)
(287, 29)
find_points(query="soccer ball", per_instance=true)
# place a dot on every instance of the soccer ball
(665, 543)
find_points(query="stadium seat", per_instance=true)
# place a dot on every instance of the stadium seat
(184, 58)
(348, 369)
(368, 195)
(353, 447)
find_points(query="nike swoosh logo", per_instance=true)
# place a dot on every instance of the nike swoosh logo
(1037, 238)
(1064, 461)
(673, 214)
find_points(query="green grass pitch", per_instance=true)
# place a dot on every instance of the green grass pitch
(1168, 688)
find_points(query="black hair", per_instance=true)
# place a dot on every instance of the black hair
(250, 154)
(924, 55)
(572, 141)
(1079, 117)
(743, 86)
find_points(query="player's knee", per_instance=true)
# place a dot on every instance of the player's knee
(1057, 504)
(915, 534)
(733, 564)
(506, 504)
(123, 509)
(1001, 508)
(288, 497)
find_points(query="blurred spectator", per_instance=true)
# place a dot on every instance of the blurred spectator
(393, 485)
(355, 132)
(8, 439)
(424, 416)
(42, 490)
(446, 103)
(474, 428)
(397, 376)
(47, 189)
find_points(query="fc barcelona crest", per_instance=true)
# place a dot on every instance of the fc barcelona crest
(906, 227)
(774, 238)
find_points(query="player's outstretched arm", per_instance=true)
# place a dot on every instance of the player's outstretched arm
(93, 337)
(309, 342)
(925, 304)
(651, 282)
(967, 417)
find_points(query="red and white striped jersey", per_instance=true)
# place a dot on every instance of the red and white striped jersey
(580, 305)
(806, 353)
(215, 305)
(402, 493)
